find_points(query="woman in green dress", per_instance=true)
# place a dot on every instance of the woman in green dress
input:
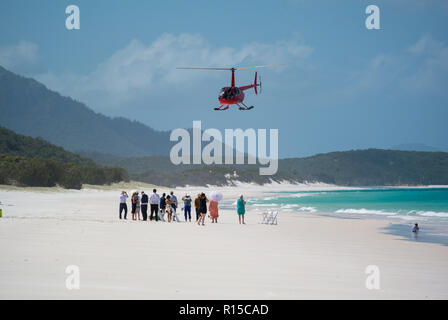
(241, 209)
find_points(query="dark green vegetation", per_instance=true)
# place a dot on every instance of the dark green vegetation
(28, 107)
(26, 161)
(19, 145)
(372, 167)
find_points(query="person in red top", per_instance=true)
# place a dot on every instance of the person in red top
(213, 209)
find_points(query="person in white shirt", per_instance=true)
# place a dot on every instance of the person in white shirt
(174, 206)
(123, 206)
(154, 201)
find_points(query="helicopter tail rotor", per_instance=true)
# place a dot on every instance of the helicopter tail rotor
(256, 85)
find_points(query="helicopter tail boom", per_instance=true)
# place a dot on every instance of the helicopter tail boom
(254, 85)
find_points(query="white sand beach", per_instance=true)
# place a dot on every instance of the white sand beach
(305, 256)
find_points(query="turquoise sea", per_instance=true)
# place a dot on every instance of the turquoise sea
(402, 206)
(406, 204)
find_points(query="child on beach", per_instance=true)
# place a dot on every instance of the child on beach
(415, 228)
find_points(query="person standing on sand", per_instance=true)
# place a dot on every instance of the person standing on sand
(202, 208)
(241, 209)
(169, 208)
(144, 206)
(123, 206)
(154, 201)
(163, 204)
(137, 205)
(174, 204)
(213, 208)
(187, 207)
(134, 205)
(197, 203)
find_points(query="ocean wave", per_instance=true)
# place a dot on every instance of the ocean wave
(289, 206)
(407, 215)
(263, 204)
(408, 218)
(286, 195)
(366, 211)
(300, 195)
(432, 214)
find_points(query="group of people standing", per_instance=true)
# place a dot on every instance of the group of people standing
(168, 205)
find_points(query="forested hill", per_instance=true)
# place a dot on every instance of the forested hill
(19, 145)
(26, 161)
(28, 107)
(372, 167)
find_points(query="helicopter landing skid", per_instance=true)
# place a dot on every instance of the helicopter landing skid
(220, 108)
(245, 107)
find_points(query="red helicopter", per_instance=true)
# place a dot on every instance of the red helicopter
(233, 94)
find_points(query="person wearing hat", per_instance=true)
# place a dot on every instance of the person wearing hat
(187, 207)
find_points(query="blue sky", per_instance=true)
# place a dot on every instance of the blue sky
(347, 87)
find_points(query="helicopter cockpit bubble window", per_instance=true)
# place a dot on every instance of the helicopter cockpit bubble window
(222, 92)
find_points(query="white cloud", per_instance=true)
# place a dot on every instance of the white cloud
(418, 70)
(22, 57)
(140, 69)
(430, 72)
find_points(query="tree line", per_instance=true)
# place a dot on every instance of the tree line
(39, 172)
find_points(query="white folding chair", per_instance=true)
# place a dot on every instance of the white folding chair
(264, 218)
(273, 217)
